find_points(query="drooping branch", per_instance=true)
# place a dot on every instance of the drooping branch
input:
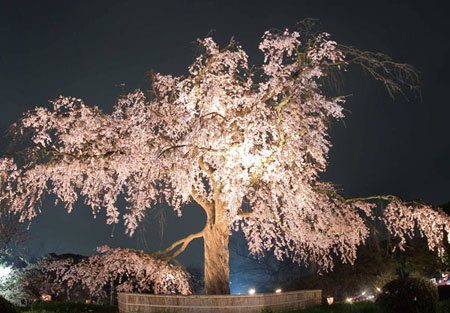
(342, 199)
(334, 194)
(395, 76)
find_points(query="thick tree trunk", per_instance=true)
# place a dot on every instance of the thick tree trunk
(217, 268)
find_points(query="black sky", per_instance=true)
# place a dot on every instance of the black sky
(88, 48)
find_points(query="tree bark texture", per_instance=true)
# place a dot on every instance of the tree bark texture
(217, 268)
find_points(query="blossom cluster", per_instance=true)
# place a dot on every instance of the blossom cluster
(126, 269)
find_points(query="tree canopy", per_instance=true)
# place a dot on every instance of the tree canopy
(227, 136)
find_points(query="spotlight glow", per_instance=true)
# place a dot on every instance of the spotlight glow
(4, 271)
(251, 291)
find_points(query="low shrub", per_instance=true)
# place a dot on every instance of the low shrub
(444, 292)
(70, 307)
(7, 307)
(412, 295)
(359, 307)
(444, 306)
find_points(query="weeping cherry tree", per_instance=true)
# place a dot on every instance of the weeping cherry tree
(246, 145)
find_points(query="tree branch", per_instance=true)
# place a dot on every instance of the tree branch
(170, 148)
(74, 156)
(173, 147)
(206, 205)
(245, 214)
(183, 242)
(375, 197)
(381, 67)
(207, 170)
(216, 189)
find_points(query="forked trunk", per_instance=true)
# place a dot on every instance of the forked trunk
(217, 269)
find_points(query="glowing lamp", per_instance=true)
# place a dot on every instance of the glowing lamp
(349, 300)
(278, 290)
(330, 300)
(251, 291)
(4, 271)
(46, 298)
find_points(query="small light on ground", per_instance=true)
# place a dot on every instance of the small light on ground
(251, 291)
(46, 298)
(278, 290)
(349, 300)
(330, 300)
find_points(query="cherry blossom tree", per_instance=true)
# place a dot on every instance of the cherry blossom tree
(110, 269)
(122, 270)
(29, 283)
(226, 137)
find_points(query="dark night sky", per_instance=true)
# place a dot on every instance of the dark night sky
(88, 48)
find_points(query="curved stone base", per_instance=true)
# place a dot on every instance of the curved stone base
(146, 303)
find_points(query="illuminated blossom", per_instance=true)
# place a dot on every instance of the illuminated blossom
(130, 270)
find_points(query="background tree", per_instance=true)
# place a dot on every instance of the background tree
(223, 136)
(29, 283)
(13, 236)
(120, 270)
(100, 277)
(374, 267)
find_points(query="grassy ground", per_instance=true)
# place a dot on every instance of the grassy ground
(69, 307)
(80, 307)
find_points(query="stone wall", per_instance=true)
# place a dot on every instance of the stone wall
(146, 303)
